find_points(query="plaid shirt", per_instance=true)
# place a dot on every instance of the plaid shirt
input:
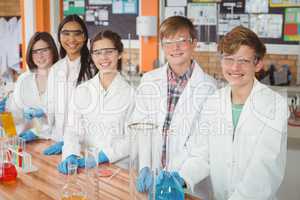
(176, 85)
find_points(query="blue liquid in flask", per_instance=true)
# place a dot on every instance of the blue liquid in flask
(169, 189)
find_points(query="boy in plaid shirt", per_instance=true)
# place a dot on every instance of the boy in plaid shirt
(172, 97)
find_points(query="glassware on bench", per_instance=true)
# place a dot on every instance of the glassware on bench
(168, 188)
(7, 122)
(145, 151)
(8, 171)
(73, 189)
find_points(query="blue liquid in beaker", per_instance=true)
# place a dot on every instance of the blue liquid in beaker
(169, 189)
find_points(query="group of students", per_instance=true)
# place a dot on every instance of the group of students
(234, 137)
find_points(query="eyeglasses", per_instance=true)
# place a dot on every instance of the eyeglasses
(181, 42)
(40, 51)
(104, 52)
(227, 60)
(73, 33)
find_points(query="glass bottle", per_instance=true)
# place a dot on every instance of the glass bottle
(73, 190)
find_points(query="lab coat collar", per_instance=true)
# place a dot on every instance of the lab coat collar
(195, 81)
(196, 78)
(114, 84)
(245, 107)
(264, 104)
(73, 65)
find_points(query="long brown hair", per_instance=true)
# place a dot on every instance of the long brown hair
(46, 37)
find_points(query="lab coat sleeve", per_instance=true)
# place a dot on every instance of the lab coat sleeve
(73, 130)
(119, 146)
(267, 168)
(196, 167)
(147, 97)
(142, 114)
(51, 97)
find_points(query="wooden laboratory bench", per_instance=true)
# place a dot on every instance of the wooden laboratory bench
(47, 182)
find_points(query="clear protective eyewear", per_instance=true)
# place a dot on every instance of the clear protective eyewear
(104, 52)
(228, 60)
(73, 33)
(40, 51)
(181, 42)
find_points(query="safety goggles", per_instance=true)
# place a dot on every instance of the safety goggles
(104, 52)
(40, 51)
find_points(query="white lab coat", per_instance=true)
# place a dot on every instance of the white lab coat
(3, 43)
(13, 48)
(252, 165)
(26, 95)
(97, 118)
(62, 80)
(151, 106)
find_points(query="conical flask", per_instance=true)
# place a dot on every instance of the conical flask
(73, 190)
(167, 187)
(8, 171)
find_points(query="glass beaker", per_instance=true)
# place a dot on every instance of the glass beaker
(73, 190)
(8, 124)
(8, 171)
(145, 148)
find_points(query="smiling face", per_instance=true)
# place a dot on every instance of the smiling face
(239, 68)
(41, 55)
(105, 56)
(178, 49)
(72, 39)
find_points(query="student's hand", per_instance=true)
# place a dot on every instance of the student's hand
(30, 113)
(102, 158)
(63, 165)
(145, 180)
(54, 149)
(28, 135)
(2, 104)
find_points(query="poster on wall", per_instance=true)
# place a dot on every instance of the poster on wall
(99, 2)
(98, 15)
(292, 24)
(284, 3)
(73, 7)
(119, 16)
(176, 2)
(267, 25)
(232, 6)
(257, 6)
(202, 14)
(174, 11)
(124, 6)
(117, 7)
(229, 21)
(130, 6)
(205, 1)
